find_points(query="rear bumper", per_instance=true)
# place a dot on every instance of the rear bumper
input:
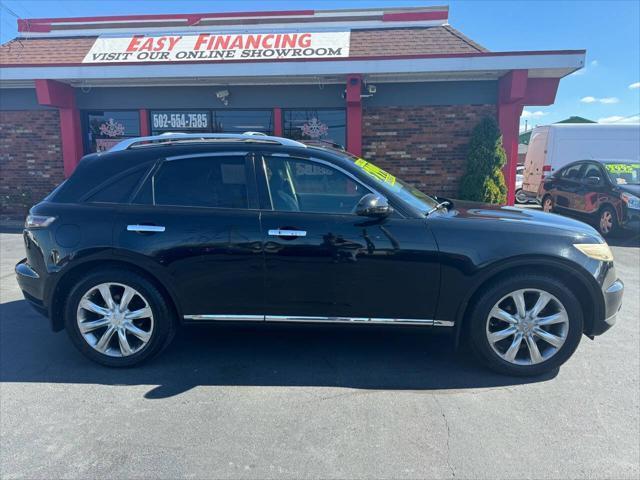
(31, 285)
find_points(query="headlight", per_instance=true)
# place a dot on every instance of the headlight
(598, 251)
(38, 221)
(631, 200)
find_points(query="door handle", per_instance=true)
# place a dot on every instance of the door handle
(145, 228)
(287, 233)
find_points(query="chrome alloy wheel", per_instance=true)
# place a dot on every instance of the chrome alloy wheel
(606, 222)
(547, 205)
(115, 319)
(521, 197)
(527, 327)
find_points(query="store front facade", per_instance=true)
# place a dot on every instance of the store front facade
(397, 86)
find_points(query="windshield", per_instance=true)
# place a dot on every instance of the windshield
(406, 192)
(623, 173)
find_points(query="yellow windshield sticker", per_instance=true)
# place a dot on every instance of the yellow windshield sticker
(622, 167)
(377, 172)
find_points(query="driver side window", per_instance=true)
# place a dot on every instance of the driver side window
(573, 172)
(297, 185)
(593, 171)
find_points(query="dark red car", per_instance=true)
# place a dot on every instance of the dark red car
(605, 193)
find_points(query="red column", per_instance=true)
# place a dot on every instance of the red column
(145, 129)
(509, 121)
(277, 122)
(512, 89)
(56, 94)
(70, 132)
(354, 114)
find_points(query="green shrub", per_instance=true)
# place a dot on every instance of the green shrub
(484, 181)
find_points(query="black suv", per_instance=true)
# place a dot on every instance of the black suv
(179, 229)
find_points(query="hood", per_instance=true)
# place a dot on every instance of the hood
(522, 217)
(632, 189)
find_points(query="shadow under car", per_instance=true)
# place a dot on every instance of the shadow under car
(350, 356)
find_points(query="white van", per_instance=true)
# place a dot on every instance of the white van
(553, 146)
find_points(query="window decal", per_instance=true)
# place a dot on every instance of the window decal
(315, 129)
(111, 128)
(622, 167)
(377, 172)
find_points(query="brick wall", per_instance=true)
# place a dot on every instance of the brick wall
(425, 145)
(30, 158)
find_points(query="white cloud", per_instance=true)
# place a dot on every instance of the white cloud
(536, 114)
(634, 86)
(620, 119)
(604, 100)
(594, 63)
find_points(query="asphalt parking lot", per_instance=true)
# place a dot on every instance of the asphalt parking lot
(314, 402)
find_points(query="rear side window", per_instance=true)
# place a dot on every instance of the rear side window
(119, 190)
(217, 181)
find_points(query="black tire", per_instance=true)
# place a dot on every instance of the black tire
(164, 322)
(477, 318)
(545, 199)
(613, 216)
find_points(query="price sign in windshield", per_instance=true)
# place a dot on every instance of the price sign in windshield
(179, 120)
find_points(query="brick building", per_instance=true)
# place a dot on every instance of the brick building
(398, 86)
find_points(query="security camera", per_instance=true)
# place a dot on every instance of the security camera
(223, 96)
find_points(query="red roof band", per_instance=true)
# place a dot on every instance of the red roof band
(43, 25)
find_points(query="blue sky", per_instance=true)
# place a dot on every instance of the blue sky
(608, 89)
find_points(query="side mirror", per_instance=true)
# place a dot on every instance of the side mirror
(592, 181)
(372, 205)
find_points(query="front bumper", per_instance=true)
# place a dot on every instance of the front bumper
(612, 304)
(632, 222)
(31, 285)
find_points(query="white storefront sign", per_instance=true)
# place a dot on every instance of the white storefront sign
(220, 47)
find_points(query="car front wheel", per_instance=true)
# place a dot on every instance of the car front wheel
(547, 204)
(526, 325)
(118, 318)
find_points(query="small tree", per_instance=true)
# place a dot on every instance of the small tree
(484, 181)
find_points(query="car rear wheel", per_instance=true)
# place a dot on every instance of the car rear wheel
(547, 204)
(526, 326)
(118, 318)
(608, 223)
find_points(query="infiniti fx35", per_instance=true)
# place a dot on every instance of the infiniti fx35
(184, 229)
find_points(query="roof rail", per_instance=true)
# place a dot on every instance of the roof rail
(195, 137)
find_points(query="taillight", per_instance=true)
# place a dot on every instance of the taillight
(38, 221)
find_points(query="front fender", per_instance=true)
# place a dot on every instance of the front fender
(589, 281)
